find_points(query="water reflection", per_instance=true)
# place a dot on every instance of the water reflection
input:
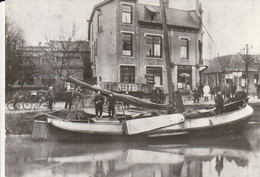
(219, 156)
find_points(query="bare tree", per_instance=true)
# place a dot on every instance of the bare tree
(13, 40)
(18, 67)
(28, 65)
(60, 53)
(248, 59)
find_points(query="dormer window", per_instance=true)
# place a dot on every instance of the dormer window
(151, 13)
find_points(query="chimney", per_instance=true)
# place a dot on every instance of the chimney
(199, 7)
(166, 3)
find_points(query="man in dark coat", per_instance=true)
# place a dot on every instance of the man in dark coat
(111, 105)
(258, 90)
(228, 91)
(196, 95)
(219, 103)
(212, 91)
(68, 99)
(99, 101)
(50, 96)
(233, 90)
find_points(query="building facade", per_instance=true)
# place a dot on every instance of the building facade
(127, 50)
(231, 69)
(52, 58)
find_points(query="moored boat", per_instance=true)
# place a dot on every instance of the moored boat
(205, 122)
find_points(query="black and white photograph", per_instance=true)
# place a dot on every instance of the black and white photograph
(130, 88)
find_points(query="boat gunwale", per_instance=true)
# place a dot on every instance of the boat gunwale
(161, 130)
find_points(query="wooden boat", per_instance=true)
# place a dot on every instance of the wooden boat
(201, 122)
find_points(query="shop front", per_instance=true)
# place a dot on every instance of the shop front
(184, 77)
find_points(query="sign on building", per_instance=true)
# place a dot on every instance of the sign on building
(127, 87)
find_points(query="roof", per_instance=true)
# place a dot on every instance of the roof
(97, 6)
(230, 63)
(152, 9)
(175, 17)
(82, 46)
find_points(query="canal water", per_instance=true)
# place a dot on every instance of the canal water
(228, 156)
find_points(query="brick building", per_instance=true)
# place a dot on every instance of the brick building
(127, 51)
(78, 55)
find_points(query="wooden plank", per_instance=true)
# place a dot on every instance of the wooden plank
(105, 120)
(137, 126)
(93, 128)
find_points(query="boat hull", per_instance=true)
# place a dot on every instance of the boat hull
(56, 134)
(187, 129)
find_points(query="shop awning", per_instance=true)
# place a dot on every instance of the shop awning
(151, 9)
(184, 75)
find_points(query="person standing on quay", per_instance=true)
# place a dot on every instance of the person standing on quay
(196, 95)
(228, 91)
(219, 103)
(233, 90)
(68, 99)
(206, 92)
(111, 105)
(99, 101)
(51, 96)
(212, 91)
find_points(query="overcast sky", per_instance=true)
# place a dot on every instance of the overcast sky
(234, 23)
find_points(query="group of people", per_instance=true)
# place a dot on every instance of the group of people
(99, 102)
(228, 91)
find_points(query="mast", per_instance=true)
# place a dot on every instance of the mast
(167, 55)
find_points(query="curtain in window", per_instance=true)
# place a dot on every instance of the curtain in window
(127, 14)
(184, 48)
(127, 44)
(153, 46)
(156, 72)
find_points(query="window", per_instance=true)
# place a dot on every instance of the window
(127, 14)
(153, 16)
(48, 81)
(100, 22)
(184, 77)
(154, 46)
(184, 48)
(243, 80)
(95, 48)
(156, 72)
(30, 80)
(127, 44)
(151, 13)
(256, 78)
(127, 74)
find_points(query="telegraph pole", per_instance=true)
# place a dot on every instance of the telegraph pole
(167, 55)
